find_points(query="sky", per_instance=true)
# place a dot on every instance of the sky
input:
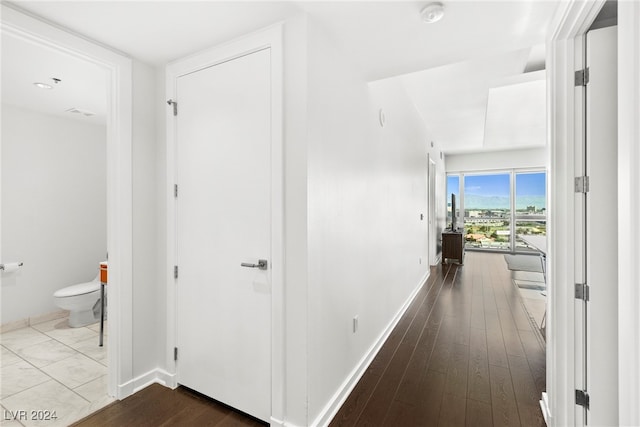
(487, 185)
(527, 184)
(531, 184)
(492, 191)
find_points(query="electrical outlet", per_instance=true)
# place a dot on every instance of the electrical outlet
(420, 260)
(355, 324)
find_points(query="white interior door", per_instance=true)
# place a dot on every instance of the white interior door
(432, 212)
(224, 219)
(602, 227)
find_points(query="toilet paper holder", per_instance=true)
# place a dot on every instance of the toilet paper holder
(20, 264)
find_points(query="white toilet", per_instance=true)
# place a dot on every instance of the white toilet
(79, 300)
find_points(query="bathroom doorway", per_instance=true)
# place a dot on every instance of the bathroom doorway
(53, 138)
(109, 162)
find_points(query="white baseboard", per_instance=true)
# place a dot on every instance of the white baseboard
(544, 406)
(154, 376)
(280, 423)
(276, 422)
(54, 315)
(12, 326)
(340, 396)
(33, 320)
(167, 379)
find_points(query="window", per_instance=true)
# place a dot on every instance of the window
(487, 211)
(503, 210)
(531, 210)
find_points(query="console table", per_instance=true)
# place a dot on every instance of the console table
(452, 245)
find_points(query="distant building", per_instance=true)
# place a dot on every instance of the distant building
(472, 236)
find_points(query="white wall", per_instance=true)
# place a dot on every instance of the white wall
(353, 196)
(628, 208)
(494, 160)
(53, 207)
(295, 226)
(366, 191)
(148, 292)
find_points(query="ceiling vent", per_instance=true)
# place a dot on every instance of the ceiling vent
(85, 113)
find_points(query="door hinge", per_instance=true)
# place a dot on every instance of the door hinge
(174, 104)
(582, 291)
(175, 353)
(581, 184)
(175, 190)
(582, 398)
(582, 77)
(175, 271)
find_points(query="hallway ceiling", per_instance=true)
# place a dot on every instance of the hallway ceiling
(384, 39)
(387, 39)
(483, 104)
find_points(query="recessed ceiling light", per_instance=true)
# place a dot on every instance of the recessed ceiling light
(42, 85)
(433, 12)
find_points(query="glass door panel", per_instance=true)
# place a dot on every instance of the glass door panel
(531, 213)
(487, 211)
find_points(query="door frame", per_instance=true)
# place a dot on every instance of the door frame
(271, 38)
(432, 250)
(118, 68)
(564, 56)
(628, 208)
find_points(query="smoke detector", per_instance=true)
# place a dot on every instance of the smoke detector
(433, 12)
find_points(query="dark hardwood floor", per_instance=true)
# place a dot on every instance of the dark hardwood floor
(157, 405)
(464, 353)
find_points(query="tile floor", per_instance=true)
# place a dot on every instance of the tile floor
(51, 367)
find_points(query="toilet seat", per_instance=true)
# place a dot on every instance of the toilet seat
(79, 289)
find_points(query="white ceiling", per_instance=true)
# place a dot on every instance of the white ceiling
(516, 113)
(476, 42)
(454, 99)
(82, 84)
(389, 38)
(157, 32)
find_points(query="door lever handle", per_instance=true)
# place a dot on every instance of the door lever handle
(262, 264)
